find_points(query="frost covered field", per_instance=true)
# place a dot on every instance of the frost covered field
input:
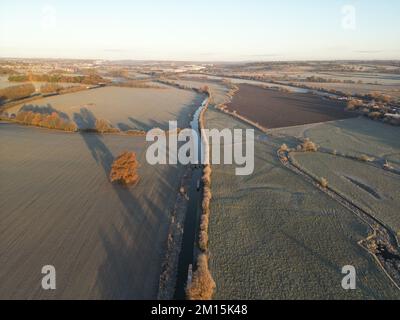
(218, 88)
(125, 108)
(58, 207)
(363, 182)
(275, 236)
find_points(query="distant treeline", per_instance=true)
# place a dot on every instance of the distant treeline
(137, 84)
(91, 79)
(54, 88)
(6, 71)
(329, 80)
(17, 92)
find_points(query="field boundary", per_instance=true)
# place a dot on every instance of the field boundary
(170, 265)
(201, 285)
(383, 240)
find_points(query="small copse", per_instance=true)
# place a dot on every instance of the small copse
(124, 169)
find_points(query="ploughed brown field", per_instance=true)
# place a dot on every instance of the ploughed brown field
(276, 109)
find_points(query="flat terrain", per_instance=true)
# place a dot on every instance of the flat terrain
(275, 109)
(125, 108)
(365, 77)
(58, 207)
(371, 188)
(218, 89)
(4, 83)
(392, 90)
(353, 137)
(275, 236)
(363, 183)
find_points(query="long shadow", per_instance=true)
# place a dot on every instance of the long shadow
(183, 117)
(43, 109)
(124, 274)
(85, 119)
(141, 125)
(130, 270)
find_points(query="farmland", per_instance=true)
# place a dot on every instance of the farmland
(218, 88)
(275, 109)
(62, 210)
(346, 143)
(353, 137)
(275, 236)
(283, 232)
(4, 83)
(372, 188)
(125, 108)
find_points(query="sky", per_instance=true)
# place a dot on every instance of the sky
(201, 30)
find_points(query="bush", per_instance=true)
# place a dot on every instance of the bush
(203, 238)
(323, 183)
(202, 285)
(353, 105)
(375, 115)
(283, 148)
(307, 146)
(124, 169)
(365, 158)
(104, 126)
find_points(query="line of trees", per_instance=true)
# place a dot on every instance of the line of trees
(17, 92)
(50, 121)
(90, 79)
(103, 126)
(141, 84)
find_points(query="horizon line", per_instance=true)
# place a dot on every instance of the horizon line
(200, 61)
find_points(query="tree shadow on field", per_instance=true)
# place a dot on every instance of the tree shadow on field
(132, 244)
(85, 119)
(134, 255)
(146, 126)
(43, 109)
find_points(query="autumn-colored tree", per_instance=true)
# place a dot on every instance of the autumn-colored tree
(50, 88)
(202, 285)
(307, 146)
(36, 119)
(124, 169)
(51, 121)
(103, 126)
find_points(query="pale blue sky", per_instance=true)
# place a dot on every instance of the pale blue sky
(200, 30)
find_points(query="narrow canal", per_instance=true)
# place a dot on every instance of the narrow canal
(187, 256)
